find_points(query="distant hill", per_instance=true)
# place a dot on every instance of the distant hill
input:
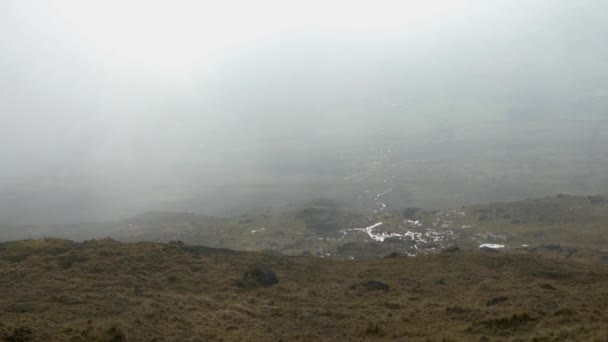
(324, 227)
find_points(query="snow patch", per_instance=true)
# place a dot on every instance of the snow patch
(491, 245)
(383, 193)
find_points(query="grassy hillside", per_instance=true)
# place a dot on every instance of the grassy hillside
(326, 228)
(57, 290)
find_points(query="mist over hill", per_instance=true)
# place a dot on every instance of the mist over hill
(445, 104)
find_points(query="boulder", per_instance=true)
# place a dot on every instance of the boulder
(451, 249)
(258, 276)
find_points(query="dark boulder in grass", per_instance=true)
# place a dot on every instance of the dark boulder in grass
(371, 285)
(392, 255)
(258, 276)
(496, 300)
(451, 249)
(489, 250)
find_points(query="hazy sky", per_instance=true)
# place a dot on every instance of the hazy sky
(132, 95)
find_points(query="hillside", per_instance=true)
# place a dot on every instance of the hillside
(103, 290)
(326, 228)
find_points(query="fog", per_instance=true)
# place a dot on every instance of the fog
(112, 108)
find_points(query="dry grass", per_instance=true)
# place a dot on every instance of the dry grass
(109, 291)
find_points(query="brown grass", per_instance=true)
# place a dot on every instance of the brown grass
(108, 291)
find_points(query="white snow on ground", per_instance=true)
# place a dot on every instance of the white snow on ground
(492, 236)
(373, 226)
(491, 245)
(430, 235)
(370, 231)
(383, 193)
(413, 223)
(253, 231)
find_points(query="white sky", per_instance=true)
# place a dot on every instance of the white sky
(174, 39)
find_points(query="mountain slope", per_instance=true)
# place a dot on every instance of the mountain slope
(57, 290)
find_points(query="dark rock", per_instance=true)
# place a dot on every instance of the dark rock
(114, 334)
(451, 249)
(489, 250)
(392, 255)
(496, 300)
(372, 285)
(548, 287)
(258, 276)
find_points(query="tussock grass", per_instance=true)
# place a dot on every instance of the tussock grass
(58, 290)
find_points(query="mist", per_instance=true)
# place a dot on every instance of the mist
(109, 109)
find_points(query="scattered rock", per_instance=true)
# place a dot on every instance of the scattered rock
(258, 276)
(489, 250)
(372, 285)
